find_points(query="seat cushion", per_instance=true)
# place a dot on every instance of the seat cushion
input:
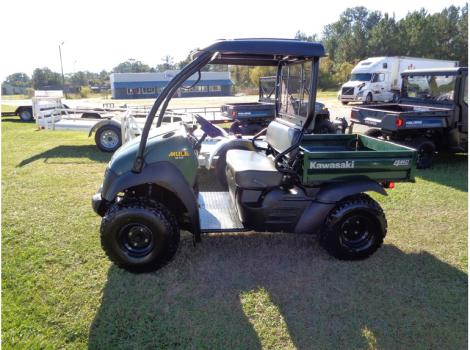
(251, 169)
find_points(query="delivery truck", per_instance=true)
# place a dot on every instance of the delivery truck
(378, 79)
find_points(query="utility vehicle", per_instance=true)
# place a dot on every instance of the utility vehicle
(431, 115)
(290, 180)
(249, 118)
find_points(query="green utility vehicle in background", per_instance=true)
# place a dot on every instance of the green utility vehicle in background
(289, 180)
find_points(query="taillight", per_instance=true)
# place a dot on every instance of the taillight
(234, 114)
(389, 184)
(399, 122)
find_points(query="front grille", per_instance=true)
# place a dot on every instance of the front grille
(347, 91)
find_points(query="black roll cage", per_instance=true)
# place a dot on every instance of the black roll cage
(198, 63)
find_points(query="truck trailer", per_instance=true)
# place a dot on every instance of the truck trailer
(378, 79)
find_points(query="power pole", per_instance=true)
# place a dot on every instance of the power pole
(62, 69)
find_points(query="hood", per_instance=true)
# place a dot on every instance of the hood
(353, 84)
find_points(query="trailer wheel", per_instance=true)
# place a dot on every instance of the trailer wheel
(426, 151)
(373, 132)
(25, 114)
(325, 127)
(108, 138)
(139, 235)
(355, 228)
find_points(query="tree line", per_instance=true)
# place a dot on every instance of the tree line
(357, 34)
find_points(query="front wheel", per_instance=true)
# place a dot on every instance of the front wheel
(368, 99)
(373, 132)
(355, 228)
(139, 235)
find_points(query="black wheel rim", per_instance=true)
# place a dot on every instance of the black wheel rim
(136, 239)
(357, 232)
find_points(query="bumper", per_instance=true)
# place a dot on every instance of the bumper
(98, 204)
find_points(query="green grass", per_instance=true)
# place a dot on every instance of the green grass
(234, 291)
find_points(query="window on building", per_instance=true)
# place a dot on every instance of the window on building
(148, 91)
(215, 88)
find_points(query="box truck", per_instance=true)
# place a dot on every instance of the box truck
(377, 79)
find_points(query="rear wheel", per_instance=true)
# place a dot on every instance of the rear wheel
(344, 103)
(426, 151)
(108, 138)
(355, 228)
(139, 235)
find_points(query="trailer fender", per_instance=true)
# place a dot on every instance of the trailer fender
(314, 216)
(163, 174)
(335, 192)
(98, 125)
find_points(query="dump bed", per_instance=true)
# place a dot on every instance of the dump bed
(396, 117)
(352, 156)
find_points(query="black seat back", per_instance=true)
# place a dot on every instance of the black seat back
(281, 134)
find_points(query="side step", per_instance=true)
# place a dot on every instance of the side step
(217, 213)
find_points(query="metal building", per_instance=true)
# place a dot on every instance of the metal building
(149, 85)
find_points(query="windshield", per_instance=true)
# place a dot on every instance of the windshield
(361, 77)
(429, 87)
(295, 81)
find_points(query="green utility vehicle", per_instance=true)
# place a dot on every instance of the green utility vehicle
(283, 179)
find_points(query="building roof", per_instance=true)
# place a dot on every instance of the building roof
(165, 76)
(262, 52)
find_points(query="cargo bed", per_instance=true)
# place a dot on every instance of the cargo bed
(352, 156)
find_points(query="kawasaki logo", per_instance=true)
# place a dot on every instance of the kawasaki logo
(338, 165)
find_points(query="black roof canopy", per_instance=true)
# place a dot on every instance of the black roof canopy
(262, 52)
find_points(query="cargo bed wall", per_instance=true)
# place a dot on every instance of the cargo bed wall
(350, 157)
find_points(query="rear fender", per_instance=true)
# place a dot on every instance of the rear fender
(335, 192)
(326, 199)
(163, 174)
(98, 125)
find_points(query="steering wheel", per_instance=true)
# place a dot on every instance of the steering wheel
(210, 129)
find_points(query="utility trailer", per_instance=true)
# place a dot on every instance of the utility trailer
(431, 115)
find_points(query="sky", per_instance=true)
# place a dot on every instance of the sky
(99, 34)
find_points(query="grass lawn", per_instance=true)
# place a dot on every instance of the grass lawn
(234, 291)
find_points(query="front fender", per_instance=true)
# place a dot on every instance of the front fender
(163, 174)
(101, 123)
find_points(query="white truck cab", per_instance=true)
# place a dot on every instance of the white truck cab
(377, 79)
